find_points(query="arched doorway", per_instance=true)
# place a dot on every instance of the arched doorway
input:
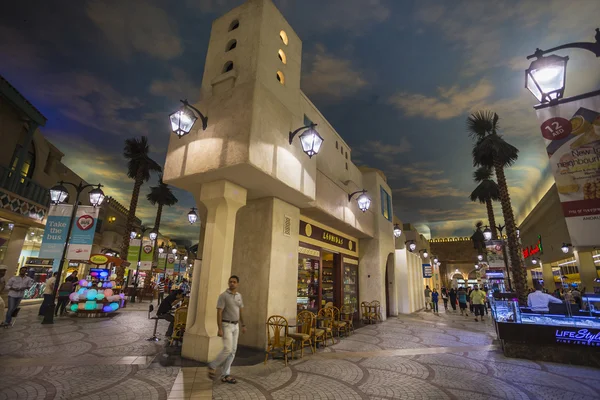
(391, 303)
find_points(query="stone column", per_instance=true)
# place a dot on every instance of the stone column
(548, 277)
(222, 199)
(587, 270)
(13, 250)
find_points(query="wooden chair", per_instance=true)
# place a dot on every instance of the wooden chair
(304, 329)
(278, 338)
(366, 313)
(179, 321)
(326, 317)
(318, 334)
(347, 315)
(338, 325)
(376, 310)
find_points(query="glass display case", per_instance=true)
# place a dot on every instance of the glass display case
(308, 284)
(506, 309)
(350, 286)
(327, 283)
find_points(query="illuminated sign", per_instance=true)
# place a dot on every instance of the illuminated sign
(533, 250)
(582, 337)
(98, 259)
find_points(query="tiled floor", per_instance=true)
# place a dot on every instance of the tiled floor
(412, 357)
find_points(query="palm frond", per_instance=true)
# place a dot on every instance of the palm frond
(482, 173)
(486, 190)
(482, 123)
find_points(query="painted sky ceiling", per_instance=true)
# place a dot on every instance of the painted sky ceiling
(397, 79)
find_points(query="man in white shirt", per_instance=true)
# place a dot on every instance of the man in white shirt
(538, 301)
(16, 290)
(48, 292)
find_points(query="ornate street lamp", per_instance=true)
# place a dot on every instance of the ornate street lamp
(397, 231)
(153, 235)
(174, 250)
(364, 202)
(58, 194)
(133, 234)
(310, 139)
(161, 249)
(535, 260)
(193, 215)
(412, 246)
(480, 257)
(566, 247)
(425, 253)
(546, 76)
(435, 260)
(183, 119)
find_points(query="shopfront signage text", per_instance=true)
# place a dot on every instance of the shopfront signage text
(98, 259)
(533, 250)
(582, 337)
(326, 237)
(330, 237)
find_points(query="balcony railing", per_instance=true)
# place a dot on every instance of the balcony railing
(23, 186)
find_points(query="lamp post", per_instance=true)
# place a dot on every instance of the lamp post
(58, 194)
(184, 119)
(192, 216)
(546, 76)
(364, 202)
(154, 234)
(425, 253)
(487, 235)
(412, 246)
(310, 139)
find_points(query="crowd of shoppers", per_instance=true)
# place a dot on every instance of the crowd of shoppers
(473, 299)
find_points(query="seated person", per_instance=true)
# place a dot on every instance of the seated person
(538, 301)
(164, 309)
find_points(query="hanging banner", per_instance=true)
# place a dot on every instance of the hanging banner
(495, 256)
(571, 131)
(162, 261)
(145, 256)
(82, 234)
(55, 233)
(170, 263)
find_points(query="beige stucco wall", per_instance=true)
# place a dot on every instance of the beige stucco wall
(266, 262)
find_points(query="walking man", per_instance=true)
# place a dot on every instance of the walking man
(427, 297)
(229, 318)
(48, 292)
(16, 290)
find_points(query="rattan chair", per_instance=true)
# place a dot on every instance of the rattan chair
(366, 313)
(179, 321)
(347, 315)
(304, 329)
(338, 325)
(278, 338)
(326, 316)
(318, 334)
(376, 310)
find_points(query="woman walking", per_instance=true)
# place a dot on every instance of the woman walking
(434, 301)
(462, 301)
(445, 298)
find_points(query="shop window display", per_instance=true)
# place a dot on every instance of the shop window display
(351, 286)
(308, 284)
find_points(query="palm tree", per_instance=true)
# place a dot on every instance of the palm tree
(161, 195)
(492, 151)
(486, 192)
(139, 167)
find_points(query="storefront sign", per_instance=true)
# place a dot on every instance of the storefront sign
(571, 131)
(533, 250)
(427, 271)
(548, 334)
(38, 261)
(326, 237)
(98, 259)
(82, 234)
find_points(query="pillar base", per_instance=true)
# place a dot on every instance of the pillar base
(201, 348)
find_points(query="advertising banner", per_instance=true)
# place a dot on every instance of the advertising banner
(495, 257)
(170, 263)
(145, 256)
(427, 271)
(162, 261)
(571, 131)
(82, 235)
(55, 233)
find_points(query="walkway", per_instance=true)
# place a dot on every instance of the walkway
(421, 356)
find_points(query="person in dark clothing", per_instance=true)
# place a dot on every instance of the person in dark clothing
(445, 298)
(434, 301)
(452, 296)
(63, 297)
(164, 310)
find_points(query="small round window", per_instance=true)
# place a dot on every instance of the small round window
(283, 37)
(282, 56)
(280, 77)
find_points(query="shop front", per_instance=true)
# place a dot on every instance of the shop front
(327, 268)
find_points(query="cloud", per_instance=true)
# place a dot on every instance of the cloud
(136, 26)
(385, 152)
(180, 86)
(353, 16)
(451, 102)
(424, 184)
(331, 76)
